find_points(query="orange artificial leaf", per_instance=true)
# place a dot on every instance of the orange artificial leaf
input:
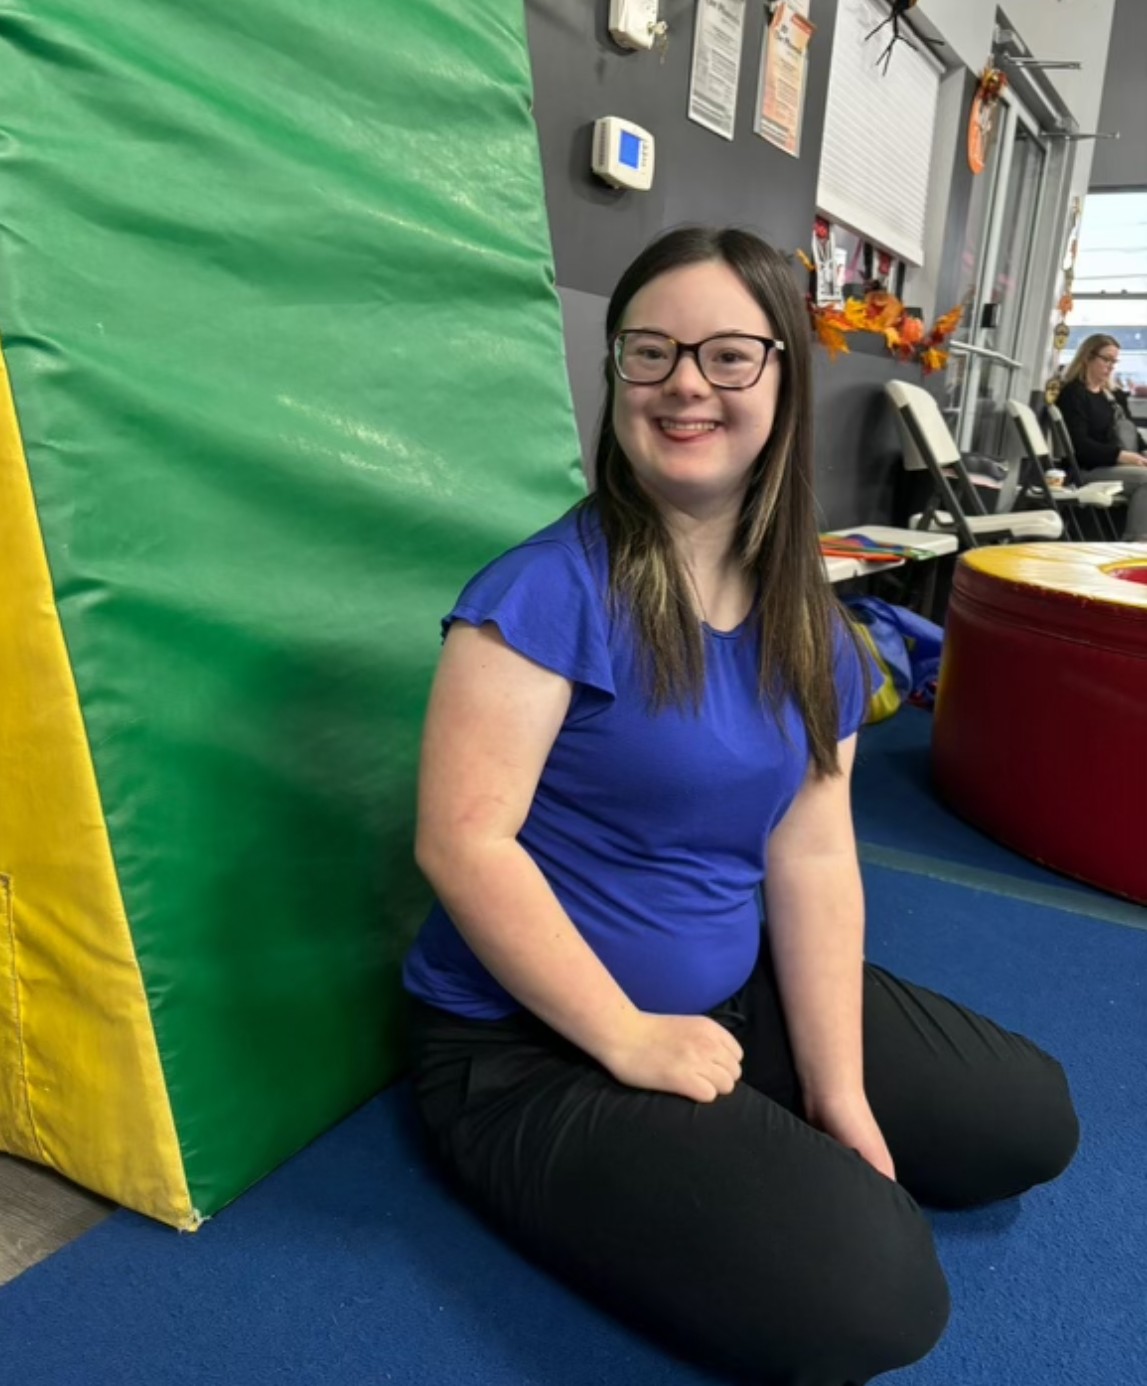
(933, 360)
(945, 326)
(808, 264)
(883, 310)
(856, 315)
(831, 336)
(892, 339)
(993, 83)
(830, 313)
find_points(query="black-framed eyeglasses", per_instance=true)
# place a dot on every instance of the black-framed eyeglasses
(730, 361)
(1108, 360)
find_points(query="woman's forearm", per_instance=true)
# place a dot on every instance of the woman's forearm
(815, 912)
(508, 914)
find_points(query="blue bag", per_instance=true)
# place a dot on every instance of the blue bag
(906, 648)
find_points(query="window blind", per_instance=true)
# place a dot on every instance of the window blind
(878, 133)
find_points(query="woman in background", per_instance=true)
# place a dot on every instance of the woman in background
(1103, 435)
(645, 716)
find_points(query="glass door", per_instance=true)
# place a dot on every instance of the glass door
(985, 348)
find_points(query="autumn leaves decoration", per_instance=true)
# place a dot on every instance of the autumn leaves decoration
(905, 336)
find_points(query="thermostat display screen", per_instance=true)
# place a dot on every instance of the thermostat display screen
(622, 153)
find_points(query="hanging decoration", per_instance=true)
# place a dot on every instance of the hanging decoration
(884, 271)
(982, 120)
(826, 275)
(904, 335)
(1061, 332)
(899, 8)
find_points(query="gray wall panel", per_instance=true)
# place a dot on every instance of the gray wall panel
(859, 477)
(579, 74)
(584, 318)
(1122, 163)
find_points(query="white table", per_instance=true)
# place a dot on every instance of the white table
(842, 569)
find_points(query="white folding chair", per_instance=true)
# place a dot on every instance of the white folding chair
(956, 506)
(1094, 497)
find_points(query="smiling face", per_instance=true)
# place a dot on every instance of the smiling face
(693, 446)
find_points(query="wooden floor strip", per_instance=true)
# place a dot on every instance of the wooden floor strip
(39, 1213)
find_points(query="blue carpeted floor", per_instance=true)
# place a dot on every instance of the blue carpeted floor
(351, 1265)
(896, 806)
(901, 822)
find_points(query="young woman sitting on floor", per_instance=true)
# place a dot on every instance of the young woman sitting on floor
(644, 717)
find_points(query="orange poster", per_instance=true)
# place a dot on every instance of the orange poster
(784, 67)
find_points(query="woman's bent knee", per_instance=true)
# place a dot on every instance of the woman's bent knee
(875, 1303)
(890, 1312)
(1029, 1136)
(1052, 1137)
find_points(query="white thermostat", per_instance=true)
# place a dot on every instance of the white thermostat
(623, 153)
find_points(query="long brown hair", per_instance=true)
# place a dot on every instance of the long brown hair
(1089, 349)
(776, 539)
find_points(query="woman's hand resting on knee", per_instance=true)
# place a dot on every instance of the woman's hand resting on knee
(849, 1120)
(689, 1055)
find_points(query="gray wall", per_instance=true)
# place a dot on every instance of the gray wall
(579, 75)
(1122, 163)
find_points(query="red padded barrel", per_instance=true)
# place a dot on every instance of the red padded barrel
(1040, 734)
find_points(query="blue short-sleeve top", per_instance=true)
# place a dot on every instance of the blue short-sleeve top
(650, 827)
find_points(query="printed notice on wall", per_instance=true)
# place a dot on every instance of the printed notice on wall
(784, 69)
(716, 64)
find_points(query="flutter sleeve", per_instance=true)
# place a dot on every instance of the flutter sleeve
(852, 689)
(546, 603)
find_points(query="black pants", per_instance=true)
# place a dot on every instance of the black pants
(735, 1232)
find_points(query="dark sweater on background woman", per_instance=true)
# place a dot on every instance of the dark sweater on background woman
(1089, 416)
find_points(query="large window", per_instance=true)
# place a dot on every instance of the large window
(1111, 282)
